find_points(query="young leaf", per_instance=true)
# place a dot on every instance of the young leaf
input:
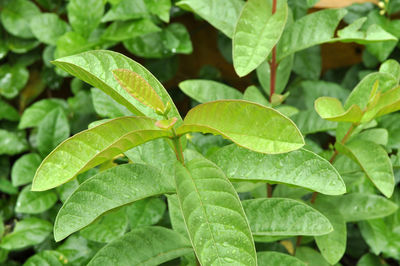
(223, 15)
(23, 170)
(27, 232)
(93, 147)
(267, 258)
(208, 90)
(359, 206)
(34, 202)
(391, 67)
(331, 109)
(138, 88)
(106, 191)
(256, 33)
(213, 215)
(249, 125)
(95, 68)
(284, 217)
(373, 160)
(143, 246)
(300, 168)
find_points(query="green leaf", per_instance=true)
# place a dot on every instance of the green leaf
(249, 125)
(332, 245)
(159, 8)
(107, 228)
(373, 160)
(308, 63)
(313, 29)
(145, 212)
(376, 135)
(47, 257)
(48, 27)
(105, 106)
(16, 16)
(360, 206)
(253, 94)
(208, 90)
(95, 68)
(310, 256)
(106, 191)
(27, 232)
(85, 16)
(93, 147)
(391, 67)
(176, 217)
(257, 32)
(370, 260)
(126, 30)
(284, 217)
(310, 122)
(143, 246)
(78, 250)
(12, 143)
(71, 43)
(19, 45)
(387, 102)
(300, 168)
(8, 112)
(139, 89)
(34, 202)
(213, 215)
(12, 80)
(38, 111)
(331, 109)
(125, 10)
(266, 258)
(52, 130)
(7, 187)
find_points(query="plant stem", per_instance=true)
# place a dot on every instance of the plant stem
(272, 64)
(269, 190)
(177, 147)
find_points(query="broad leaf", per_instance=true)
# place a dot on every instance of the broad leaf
(374, 161)
(208, 90)
(267, 258)
(35, 202)
(159, 8)
(359, 206)
(92, 147)
(106, 191)
(284, 217)
(256, 33)
(96, 67)
(28, 232)
(249, 125)
(48, 27)
(300, 168)
(223, 15)
(176, 217)
(143, 246)
(145, 212)
(213, 215)
(331, 109)
(24, 169)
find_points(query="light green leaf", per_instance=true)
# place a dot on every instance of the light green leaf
(309, 122)
(331, 109)
(373, 160)
(47, 257)
(391, 67)
(388, 102)
(12, 142)
(16, 16)
(213, 215)
(95, 68)
(145, 212)
(125, 10)
(313, 29)
(48, 27)
(284, 217)
(377, 135)
(248, 124)
(34, 202)
(27, 232)
(52, 130)
(126, 30)
(38, 111)
(223, 15)
(143, 246)
(360, 206)
(93, 147)
(107, 228)
(85, 16)
(310, 256)
(300, 168)
(12, 80)
(159, 8)
(106, 191)
(208, 90)
(332, 245)
(105, 106)
(267, 258)
(8, 112)
(257, 32)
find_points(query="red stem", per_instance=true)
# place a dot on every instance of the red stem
(272, 64)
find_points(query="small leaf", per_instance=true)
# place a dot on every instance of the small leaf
(12, 80)
(106, 191)
(391, 67)
(38, 111)
(166, 124)
(284, 217)
(300, 168)
(27, 232)
(48, 27)
(253, 94)
(331, 109)
(138, 88)
(125, 10)
(34, 202)
(373, 160)
(85, 16)
(213, 215)
(266, 258)
(249, 125)
(47, 257)
(125, 30)
(257, 32)
(143, 246)
(12, 142)
(159, 8)
(208, 90)
(93, 147)
(8, 112)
